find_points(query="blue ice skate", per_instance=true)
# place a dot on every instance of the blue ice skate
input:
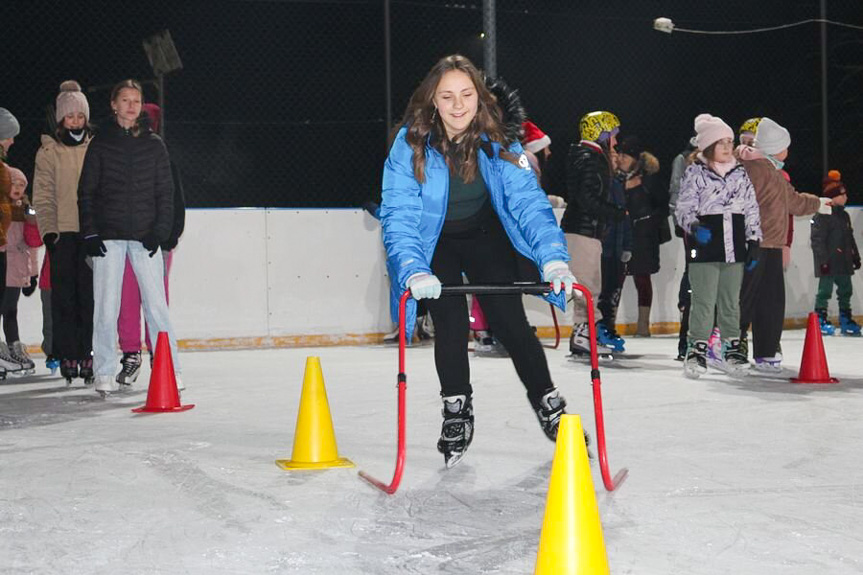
(847, 325)
(53, 364)
(827, 328)
(609, 340)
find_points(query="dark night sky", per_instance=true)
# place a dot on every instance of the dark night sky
(282, 103)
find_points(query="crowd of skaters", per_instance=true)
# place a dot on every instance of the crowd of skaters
(107, 205)
(462, 197)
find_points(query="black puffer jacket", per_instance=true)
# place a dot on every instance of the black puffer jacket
(588, 179)
(646, 217)
(126, 191)
(833, 243)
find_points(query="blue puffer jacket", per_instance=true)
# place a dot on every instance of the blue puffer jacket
(412, 214)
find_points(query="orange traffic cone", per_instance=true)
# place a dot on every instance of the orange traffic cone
(571, 542)
(813, 366)
(162, 394)
(314, 438)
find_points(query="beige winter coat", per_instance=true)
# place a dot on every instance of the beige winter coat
(776, 199)
(55, 185)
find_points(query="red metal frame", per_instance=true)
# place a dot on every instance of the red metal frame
(610, 483)
(556, 328)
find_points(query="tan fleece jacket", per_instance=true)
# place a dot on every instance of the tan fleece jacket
(55, 185)
(776, 200)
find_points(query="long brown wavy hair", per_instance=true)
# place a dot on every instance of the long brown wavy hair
(425, 126)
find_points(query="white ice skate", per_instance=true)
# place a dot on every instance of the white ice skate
(106, 385)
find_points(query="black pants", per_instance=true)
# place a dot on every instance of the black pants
(9, 310)
(485, 255)
(613, 276)
(72, 298)
(762, 303)
(684, 302)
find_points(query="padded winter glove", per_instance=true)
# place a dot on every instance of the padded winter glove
(825, 269)
(557, 273)
(825, 208)
(50, 241)
(423, 285)
(95, 247)
(753, 250)
(28, 291)
(151, 243)
(857, 263)
(626, 256)
(702, 234)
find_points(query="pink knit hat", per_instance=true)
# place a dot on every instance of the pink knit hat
(709, 130)
(70, 100)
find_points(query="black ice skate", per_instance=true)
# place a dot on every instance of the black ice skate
(695, 363)
(457, 429)
(69, 370)
(486, 345)
(734, 361)
(579, 344)
(131, 363)
(548, 410)
(85, 370)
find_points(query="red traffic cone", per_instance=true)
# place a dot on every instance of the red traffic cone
(162, 395)
(813, 366)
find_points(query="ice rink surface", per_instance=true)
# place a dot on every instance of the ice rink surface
(746, 477)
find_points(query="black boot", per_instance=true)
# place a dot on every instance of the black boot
(548, 410)
(456, 432)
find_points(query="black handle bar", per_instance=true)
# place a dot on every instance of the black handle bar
(496, 289)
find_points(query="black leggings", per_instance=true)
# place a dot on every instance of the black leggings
(485, 255)
(9, 310)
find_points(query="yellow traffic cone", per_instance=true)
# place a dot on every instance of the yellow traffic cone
(314, 438)
(571, 542)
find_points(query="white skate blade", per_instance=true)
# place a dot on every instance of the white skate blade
(454, 459)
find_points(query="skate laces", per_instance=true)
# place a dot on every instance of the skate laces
(550, 406)
(131, 362)
(457, 417)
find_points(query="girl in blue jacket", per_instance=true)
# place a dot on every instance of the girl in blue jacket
(458, 197)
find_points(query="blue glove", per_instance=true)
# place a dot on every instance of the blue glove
(702, 234)
(557, 273)
(753, 250)
(423, 285)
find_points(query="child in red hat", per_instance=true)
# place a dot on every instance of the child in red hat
(836, 257)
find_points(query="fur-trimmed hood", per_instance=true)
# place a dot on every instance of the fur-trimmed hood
(511, 107)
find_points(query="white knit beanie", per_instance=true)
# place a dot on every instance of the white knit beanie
(709, 130)
(70, 100)
(771, 138)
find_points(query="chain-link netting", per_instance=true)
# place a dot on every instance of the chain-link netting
(282, 103)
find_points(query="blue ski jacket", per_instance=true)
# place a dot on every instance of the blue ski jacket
(412, 214)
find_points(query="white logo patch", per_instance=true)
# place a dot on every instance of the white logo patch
(522, 161)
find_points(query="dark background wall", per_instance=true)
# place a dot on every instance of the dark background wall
(282, 103)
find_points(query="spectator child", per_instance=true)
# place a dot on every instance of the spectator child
(836, 257)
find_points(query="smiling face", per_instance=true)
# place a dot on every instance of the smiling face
(456, 101)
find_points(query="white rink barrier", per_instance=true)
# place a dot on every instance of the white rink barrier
(255, 277)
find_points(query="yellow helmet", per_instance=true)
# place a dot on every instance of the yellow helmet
(592, 125)
(750, 125)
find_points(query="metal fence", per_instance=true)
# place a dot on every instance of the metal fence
(283, 103)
